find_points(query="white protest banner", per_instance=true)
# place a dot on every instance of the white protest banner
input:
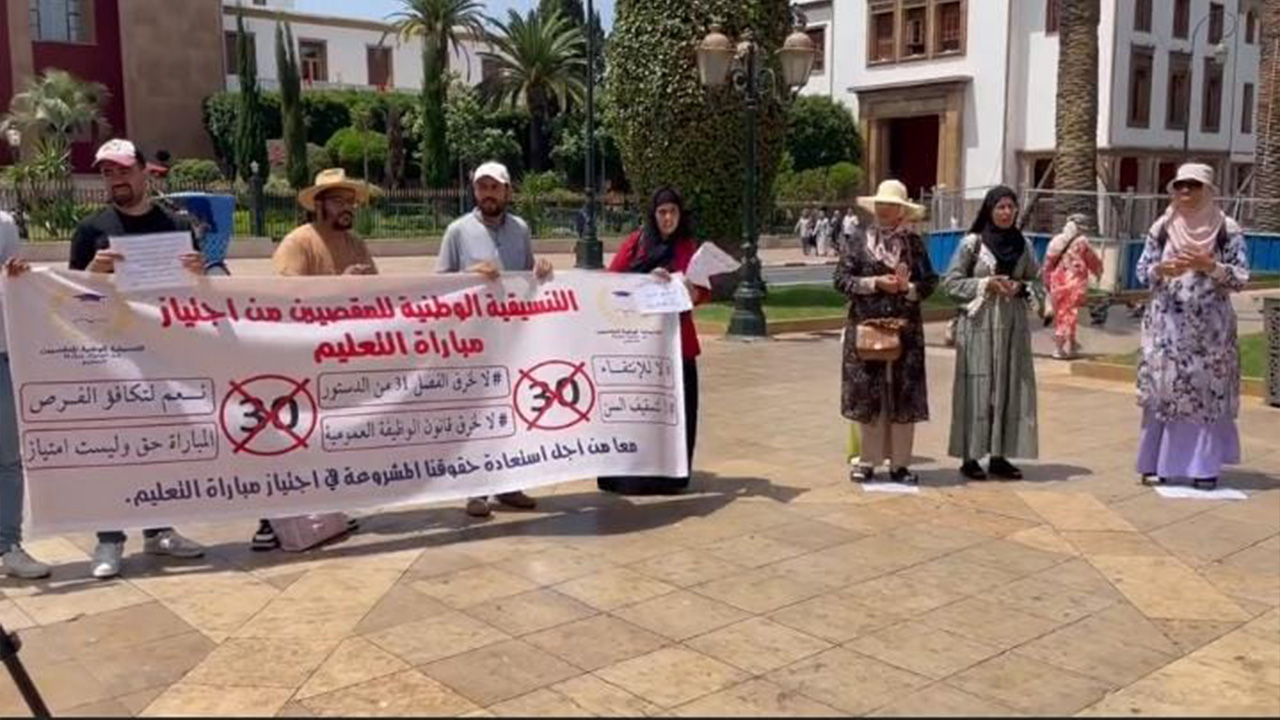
(268, 397)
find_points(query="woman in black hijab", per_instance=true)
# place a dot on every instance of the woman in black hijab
(662, 247)
(993, 409)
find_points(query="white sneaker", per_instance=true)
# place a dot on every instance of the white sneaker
(172, 544)
(106, 560)
(17, 563)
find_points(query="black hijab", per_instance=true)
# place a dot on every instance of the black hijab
(655, 251)
(1007, 245)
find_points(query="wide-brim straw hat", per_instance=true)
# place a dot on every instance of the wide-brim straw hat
(335, 179)
(892, 192)
(1198, 172)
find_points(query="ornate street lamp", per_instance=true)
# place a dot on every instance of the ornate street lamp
(589, 251)
(718, 61)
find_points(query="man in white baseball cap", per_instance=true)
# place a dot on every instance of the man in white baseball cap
(131, 212)
(489, 241)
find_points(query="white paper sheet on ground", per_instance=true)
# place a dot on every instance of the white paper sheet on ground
(708, 262)
(1184, 492)
(151, 262)
(890, 487)
(653, 297)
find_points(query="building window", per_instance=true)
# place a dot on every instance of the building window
(915, 30)
(489, 68)
(819, 37)
(1246, 112)
(1051, 9)
(1178, 103)
(63, 21)
(1181, 18)
(1216, 18)
(1250, 27)
(232, 51)
(882, 31)
(950, 24)
(313, 60)
(1141, 64)
(379, 60)
(1211, 107)
(1142, 16)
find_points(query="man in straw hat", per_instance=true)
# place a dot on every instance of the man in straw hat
(326, 245)
(490, 241)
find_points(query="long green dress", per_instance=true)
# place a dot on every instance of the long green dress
(993, 409)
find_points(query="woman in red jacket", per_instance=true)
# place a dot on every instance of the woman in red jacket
(664, 246)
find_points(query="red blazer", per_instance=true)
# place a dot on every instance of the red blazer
(685, 248)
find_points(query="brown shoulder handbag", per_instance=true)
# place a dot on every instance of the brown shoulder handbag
(879, 340)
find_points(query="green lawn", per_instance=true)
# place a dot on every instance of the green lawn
(798, 302)
(1253, 356)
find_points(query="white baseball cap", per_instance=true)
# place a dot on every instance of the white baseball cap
(120, 152)
(494, 170)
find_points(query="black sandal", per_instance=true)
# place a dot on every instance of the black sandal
(904, 476)
(1002, 468)
(1209, 483)
(972, 470)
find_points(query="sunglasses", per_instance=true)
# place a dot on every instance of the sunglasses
(1188, 185)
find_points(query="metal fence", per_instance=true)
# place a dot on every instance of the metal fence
(51, 211)
(1120, 215)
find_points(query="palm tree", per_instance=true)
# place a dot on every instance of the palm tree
(1076, 161)
(1267, 172)
(56, 106)
(441, 25)
(540, 65)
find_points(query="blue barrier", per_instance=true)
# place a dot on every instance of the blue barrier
(1264, 253)
(944, 243)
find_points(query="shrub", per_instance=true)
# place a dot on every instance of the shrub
(347, 149)
(195, 172)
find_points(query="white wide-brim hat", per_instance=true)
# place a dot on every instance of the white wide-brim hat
(891, 192)
(1199, 172)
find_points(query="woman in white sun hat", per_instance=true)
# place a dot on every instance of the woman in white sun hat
(1189, 373)
(885, 272)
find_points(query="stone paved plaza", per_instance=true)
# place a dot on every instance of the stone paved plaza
(777, 588)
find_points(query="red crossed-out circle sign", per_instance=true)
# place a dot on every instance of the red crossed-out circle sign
(555, 395)
(268, 415)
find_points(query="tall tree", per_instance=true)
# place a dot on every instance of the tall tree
(1076, 160)
(540, 66)
(251, 136)
(441, 25)
(670, 129)
(1267, 162)
(56, 106)
(294, 129)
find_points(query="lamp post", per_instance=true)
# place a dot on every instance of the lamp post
(718, 60)
(1219, 56)
(589, 251)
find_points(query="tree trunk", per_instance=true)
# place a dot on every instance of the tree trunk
(1076, 161)
(436, 165)
(1267, 129)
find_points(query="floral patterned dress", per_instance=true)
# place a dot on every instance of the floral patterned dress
(1189, 371)
(1068, 275)
(863, 391)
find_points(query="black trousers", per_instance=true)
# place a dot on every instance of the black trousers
(647, 485)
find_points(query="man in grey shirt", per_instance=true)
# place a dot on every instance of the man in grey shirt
(489, 241)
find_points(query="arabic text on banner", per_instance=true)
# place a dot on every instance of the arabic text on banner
(268, 397)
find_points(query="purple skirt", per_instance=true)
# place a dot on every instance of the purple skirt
(1186, 450)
